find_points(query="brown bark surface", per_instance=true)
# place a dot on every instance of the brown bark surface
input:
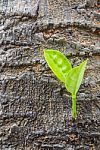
(35, 108)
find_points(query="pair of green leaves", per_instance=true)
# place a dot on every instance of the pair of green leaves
(62, 68)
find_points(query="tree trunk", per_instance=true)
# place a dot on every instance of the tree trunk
(35, 108)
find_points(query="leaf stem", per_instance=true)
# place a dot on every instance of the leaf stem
(74, 112)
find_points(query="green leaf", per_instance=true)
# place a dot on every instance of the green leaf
(74, 78)
(58, 63)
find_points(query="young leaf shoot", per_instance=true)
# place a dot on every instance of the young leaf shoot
(71, 77)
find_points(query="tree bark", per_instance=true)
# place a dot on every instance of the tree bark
(35, 108)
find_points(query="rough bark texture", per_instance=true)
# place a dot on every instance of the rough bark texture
(35, 108)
